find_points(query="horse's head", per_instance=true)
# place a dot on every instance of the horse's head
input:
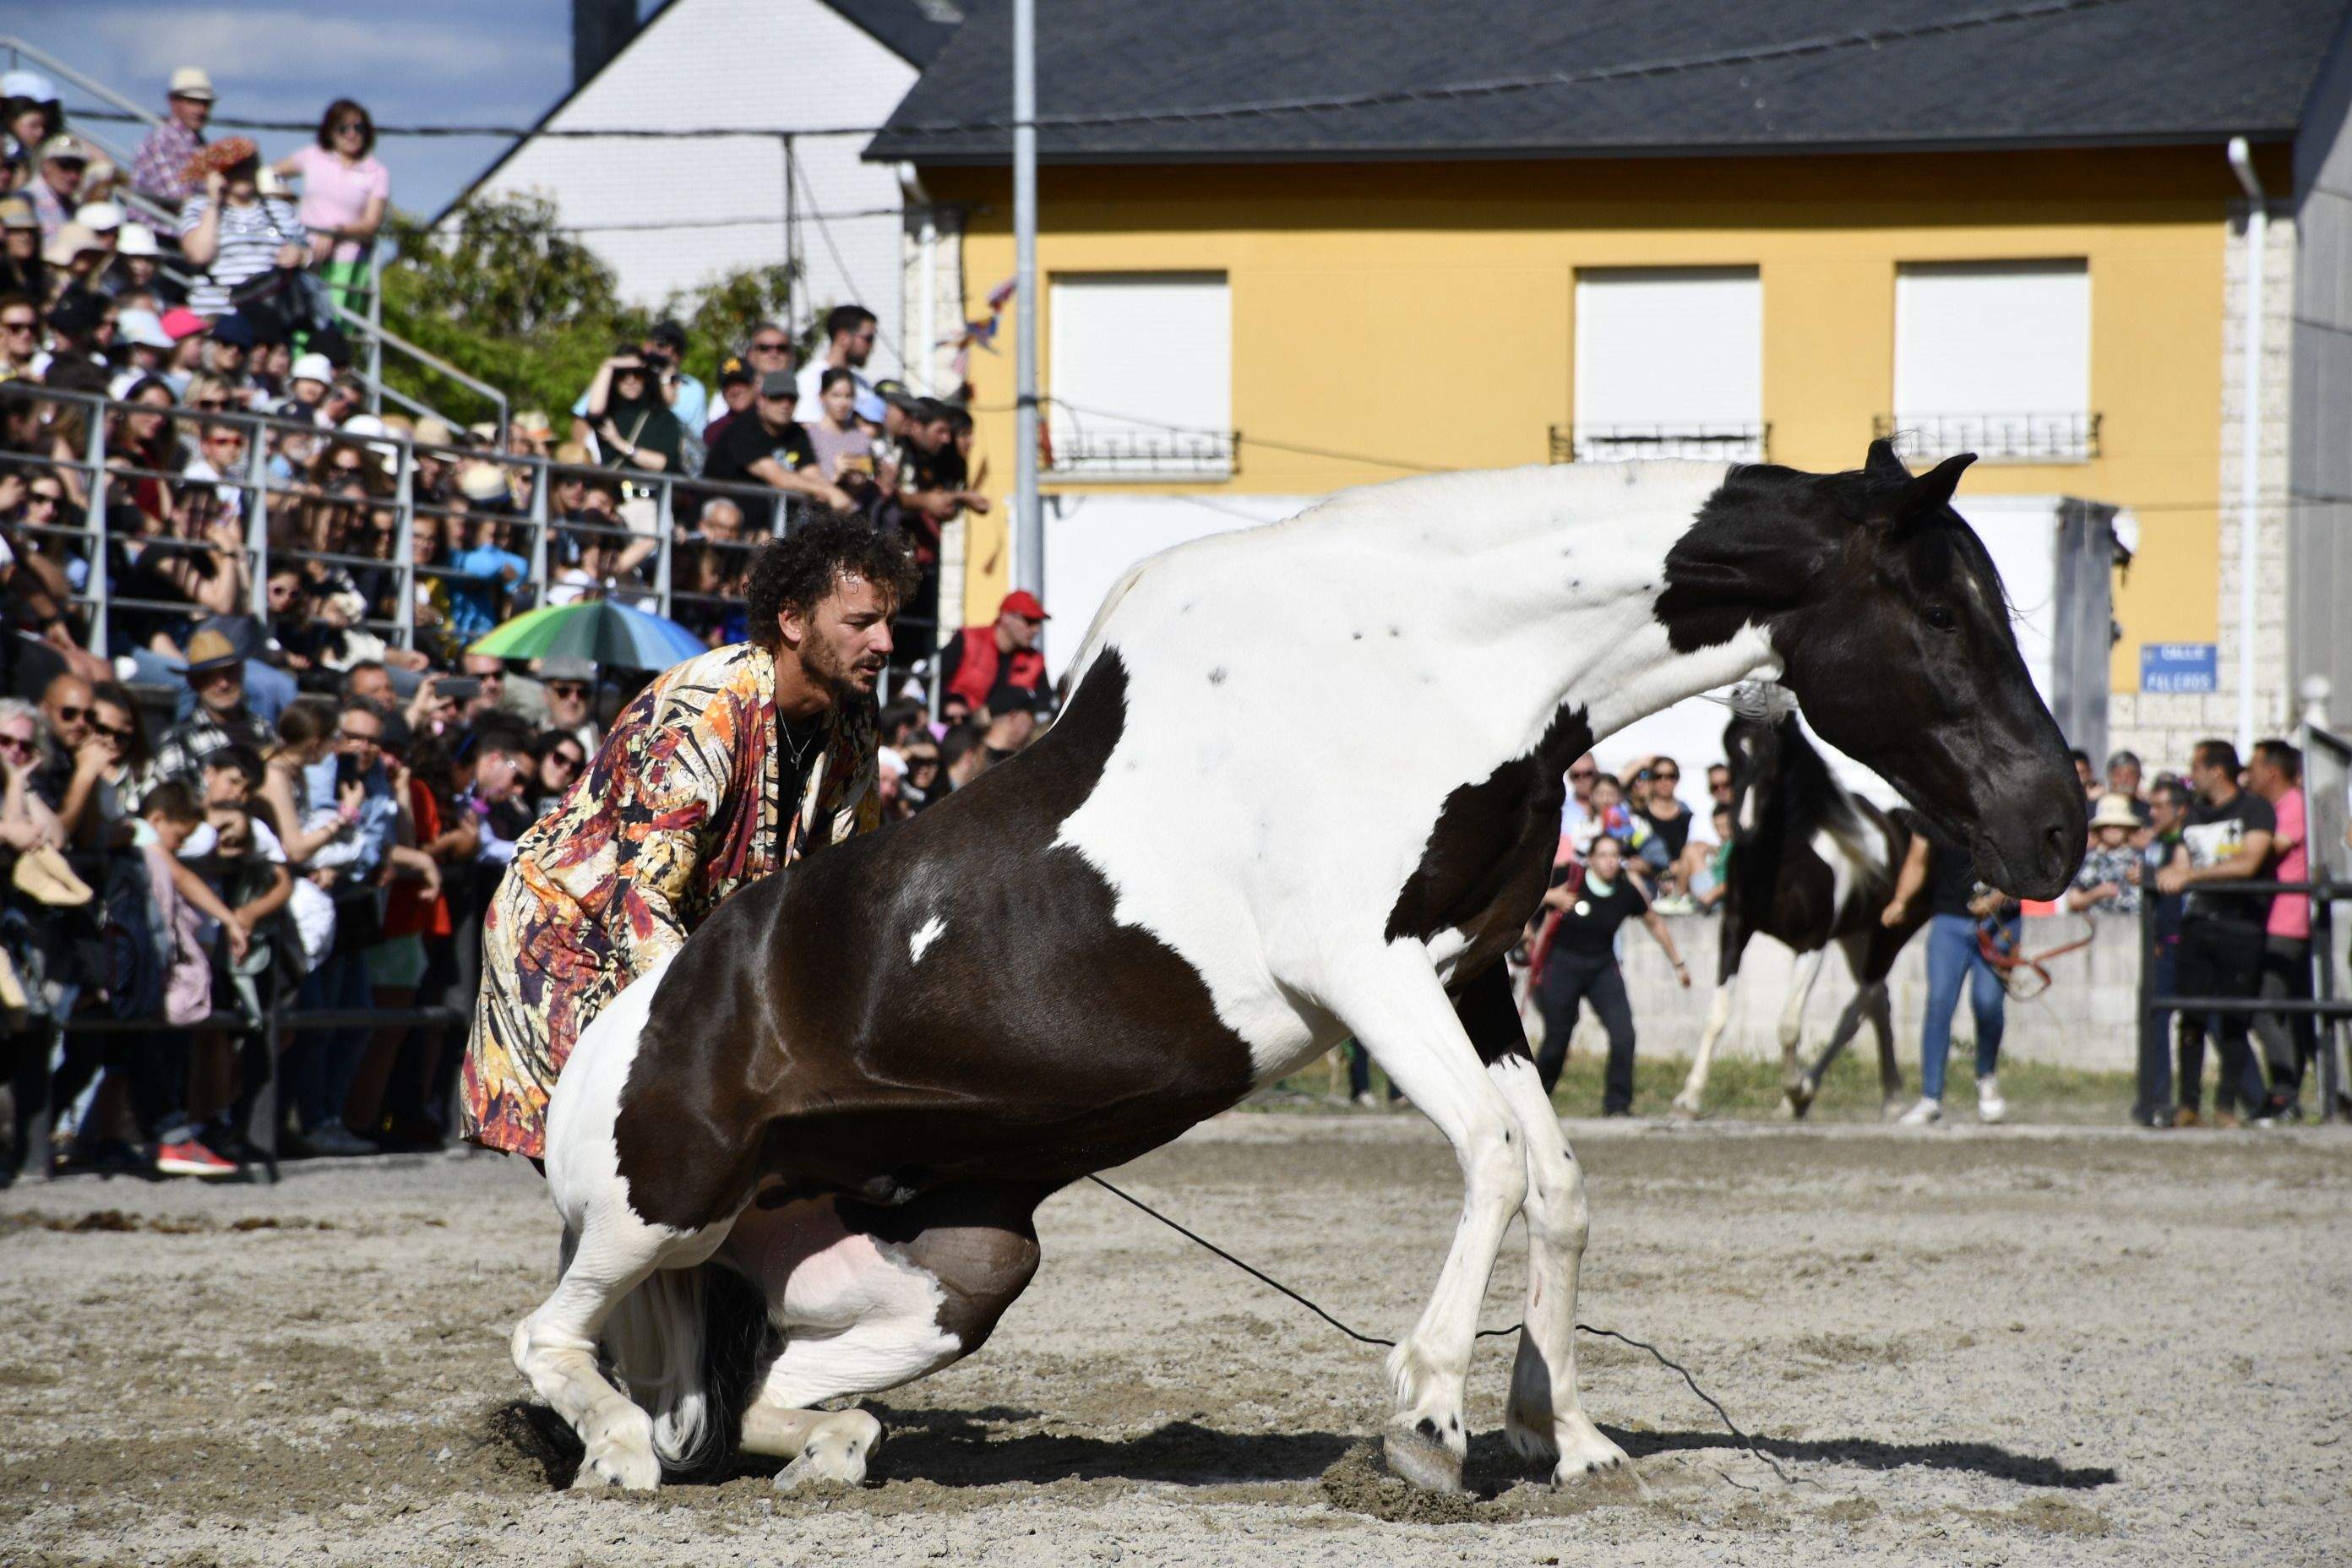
(1892, 628)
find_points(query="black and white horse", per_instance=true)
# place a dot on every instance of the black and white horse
(1811, 865)
(1308, 785)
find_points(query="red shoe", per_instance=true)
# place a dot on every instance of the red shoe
(190, 1158)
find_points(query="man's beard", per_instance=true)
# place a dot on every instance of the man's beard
(821, 663)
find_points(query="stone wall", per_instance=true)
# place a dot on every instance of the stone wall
(2083, 1020)
(2162, 727)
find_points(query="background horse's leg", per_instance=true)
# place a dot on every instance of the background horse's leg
(1734, 937)
(1792, 1020)
(868, 1298)
(1397, 1011)
(1856, 949)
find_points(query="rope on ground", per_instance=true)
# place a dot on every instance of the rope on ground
(1263, 1278)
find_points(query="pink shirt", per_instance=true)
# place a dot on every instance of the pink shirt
(2291, 913)
(335, 195)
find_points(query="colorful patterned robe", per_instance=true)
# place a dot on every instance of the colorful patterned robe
(678, 811)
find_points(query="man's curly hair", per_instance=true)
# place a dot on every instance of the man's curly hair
(797, 571)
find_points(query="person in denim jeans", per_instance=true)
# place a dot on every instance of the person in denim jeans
(1959, 910)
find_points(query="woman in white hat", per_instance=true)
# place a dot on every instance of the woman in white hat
(2108, 883)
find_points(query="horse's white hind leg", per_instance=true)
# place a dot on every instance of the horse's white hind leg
(1793, 1025)
(1693, 1098)
(609, 1251)
(555, 1347)
(858, 1313)
(1546, 1421)
(1397, 1009)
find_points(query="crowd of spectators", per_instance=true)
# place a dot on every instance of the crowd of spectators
(218, 809)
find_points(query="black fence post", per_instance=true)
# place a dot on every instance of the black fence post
(2327, 1030)
(2152, 1045)
(35, 1114)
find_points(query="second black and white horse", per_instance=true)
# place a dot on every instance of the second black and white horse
(1308, 785)
(1812, 866)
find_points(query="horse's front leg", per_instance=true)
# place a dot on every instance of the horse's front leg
(1546, 1421)
(1396, 1008)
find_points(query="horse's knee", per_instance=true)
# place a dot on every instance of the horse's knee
(1557, 1212)
(981, 1272)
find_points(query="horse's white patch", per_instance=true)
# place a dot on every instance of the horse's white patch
(925, 934)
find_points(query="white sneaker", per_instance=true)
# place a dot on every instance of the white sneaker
(1991, 1107)
(1365, 1101)
(1927, 1114)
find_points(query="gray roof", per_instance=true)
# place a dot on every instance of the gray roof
(914, 30)
(1968, 74)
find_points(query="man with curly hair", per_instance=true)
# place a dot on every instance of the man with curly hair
(726, 769)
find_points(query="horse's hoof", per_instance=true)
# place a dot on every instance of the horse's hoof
(1583, 1452)
(1422, 1460)
(1686, 1109)
(1801, 1097)
(618, 1441)
(836, 1455)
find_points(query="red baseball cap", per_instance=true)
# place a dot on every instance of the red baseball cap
(181, 322)
(1022, 603)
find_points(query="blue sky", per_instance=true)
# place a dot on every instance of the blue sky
(415, 62)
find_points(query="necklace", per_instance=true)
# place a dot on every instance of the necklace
(800, 749)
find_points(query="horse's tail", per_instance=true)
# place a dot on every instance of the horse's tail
(686, 1344)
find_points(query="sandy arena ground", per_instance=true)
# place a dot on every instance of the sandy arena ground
(1967, 1347)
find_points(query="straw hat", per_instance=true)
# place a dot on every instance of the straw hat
(2114, 811)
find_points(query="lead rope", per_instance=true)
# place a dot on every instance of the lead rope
(1263, 1278)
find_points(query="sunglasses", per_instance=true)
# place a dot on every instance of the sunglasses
(566, 689)
(1668, 778)
(921, 760)
(1584, 773)
(15, 743)
(347, 468)
(44, 498)
(211, 402)
(72, 715)
(566, 759)
(773, 348)
(19, 326)
(111, 733)
(345, 735)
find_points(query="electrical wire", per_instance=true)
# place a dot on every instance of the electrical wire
(1812, 47)
(1263, 1278)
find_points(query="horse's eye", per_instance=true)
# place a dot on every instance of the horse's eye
(1942, 619)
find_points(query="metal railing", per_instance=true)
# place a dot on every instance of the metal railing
(358, 532)
(2158, 1009)
(1736, 443)
(18, 52)
(1142, 454)
(1996, 437)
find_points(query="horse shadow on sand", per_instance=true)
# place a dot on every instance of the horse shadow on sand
(969, 1449)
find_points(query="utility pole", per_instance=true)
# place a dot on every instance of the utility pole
(1028, 521)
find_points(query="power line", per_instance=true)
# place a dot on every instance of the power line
(771, 220)
(1800, 48)
(824, 232)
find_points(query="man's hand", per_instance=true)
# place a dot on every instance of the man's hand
(92, 757)
(2171, 879)
(837, 499)
(1892, 915)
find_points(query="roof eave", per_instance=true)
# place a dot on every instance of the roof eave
(916, 151)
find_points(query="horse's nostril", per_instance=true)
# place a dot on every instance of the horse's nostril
(2054, 843)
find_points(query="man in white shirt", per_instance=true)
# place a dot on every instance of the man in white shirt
(849, 343)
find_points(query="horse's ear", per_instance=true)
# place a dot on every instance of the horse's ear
(1883, 467)
(1931, 492)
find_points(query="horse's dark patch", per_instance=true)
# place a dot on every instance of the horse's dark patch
(1490, 1015)
(1735, 564)
(1217, 676)
(979, 1241)
(1484, 865)
(796, 1036)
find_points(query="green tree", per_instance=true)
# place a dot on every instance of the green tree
(511, 299)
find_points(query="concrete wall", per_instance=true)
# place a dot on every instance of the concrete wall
(2319, 529)
(2083, 1020)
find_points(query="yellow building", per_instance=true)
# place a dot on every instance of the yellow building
(1774, 257)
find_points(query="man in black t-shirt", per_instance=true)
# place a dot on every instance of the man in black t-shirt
(2228, 839)
(770, 447)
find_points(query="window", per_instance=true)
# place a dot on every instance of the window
(1669, 363)
(1141, 376)
(1994, 357)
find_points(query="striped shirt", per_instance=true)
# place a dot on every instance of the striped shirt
(249, 238)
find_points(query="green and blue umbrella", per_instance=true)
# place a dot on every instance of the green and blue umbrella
(597, 629)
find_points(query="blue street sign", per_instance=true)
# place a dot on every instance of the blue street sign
(2179, 667)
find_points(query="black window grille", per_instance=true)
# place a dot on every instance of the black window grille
(1142, 454)
(2009, 438)
(1617, 443)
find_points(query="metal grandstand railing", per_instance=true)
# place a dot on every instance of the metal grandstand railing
(1995, 437)
(442, 570)
(1738, 443)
